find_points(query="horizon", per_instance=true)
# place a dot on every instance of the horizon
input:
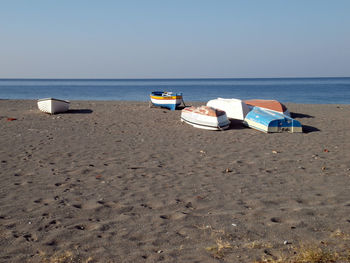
(165, 78)
(174, 40)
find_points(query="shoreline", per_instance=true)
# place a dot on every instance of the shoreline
(195, 103)
(193, 78)
(117, 181)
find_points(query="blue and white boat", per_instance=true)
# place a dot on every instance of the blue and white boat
(269, 121)
(165, 99)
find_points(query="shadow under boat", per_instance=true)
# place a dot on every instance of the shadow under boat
(300, 115)
(309, 129)
(236, 125)
(78, 111)
(306, 128)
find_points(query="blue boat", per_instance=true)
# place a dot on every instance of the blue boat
(268, 121)
(165, 99)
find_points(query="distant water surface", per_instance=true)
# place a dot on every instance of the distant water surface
(297, 90)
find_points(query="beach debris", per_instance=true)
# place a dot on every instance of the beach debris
(79, 227)
(227, 170)
(286, 242)
(274, 152)
(189, 205)
(340, 234)
(268, 252)
(160, 251)
(11, 119)
(323, 168)
(202, 152)
(220, 249)
(326, 150)
(99, 176)
(233, 224)
(136, 167)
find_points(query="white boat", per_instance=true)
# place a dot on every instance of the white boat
(205, 117)
(234, 108)
(52, 106)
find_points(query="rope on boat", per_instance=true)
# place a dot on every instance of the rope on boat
(183, 102)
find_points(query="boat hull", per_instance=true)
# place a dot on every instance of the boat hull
(53, 106)
(167, 100)
(205, 118)
(271, 105)
(267, 121)
(234, 108)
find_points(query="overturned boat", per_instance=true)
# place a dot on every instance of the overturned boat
(269, 121)
(271, 105)
(166, 99)
(53, 106)
(205, 117)
(234, 108)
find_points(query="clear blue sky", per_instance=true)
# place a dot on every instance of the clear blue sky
(174, 39)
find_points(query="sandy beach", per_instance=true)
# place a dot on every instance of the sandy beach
(121, 182)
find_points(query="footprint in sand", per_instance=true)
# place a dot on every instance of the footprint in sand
(80, 227)
(176, 216)
(91, 205)
(146, 206)
(179, 215)
(38, 201)
(29, 237)
(276, 220)
(52, 243)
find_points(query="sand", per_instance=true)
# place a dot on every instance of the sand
(122, 182)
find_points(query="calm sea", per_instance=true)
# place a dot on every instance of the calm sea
(297, 90)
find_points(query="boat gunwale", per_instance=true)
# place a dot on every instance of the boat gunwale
(166, 97)
(47, 99)
(218, 127)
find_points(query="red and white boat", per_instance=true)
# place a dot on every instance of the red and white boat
(205, 117)
(271, 105)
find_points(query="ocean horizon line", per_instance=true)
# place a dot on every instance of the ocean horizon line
(195, 78)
